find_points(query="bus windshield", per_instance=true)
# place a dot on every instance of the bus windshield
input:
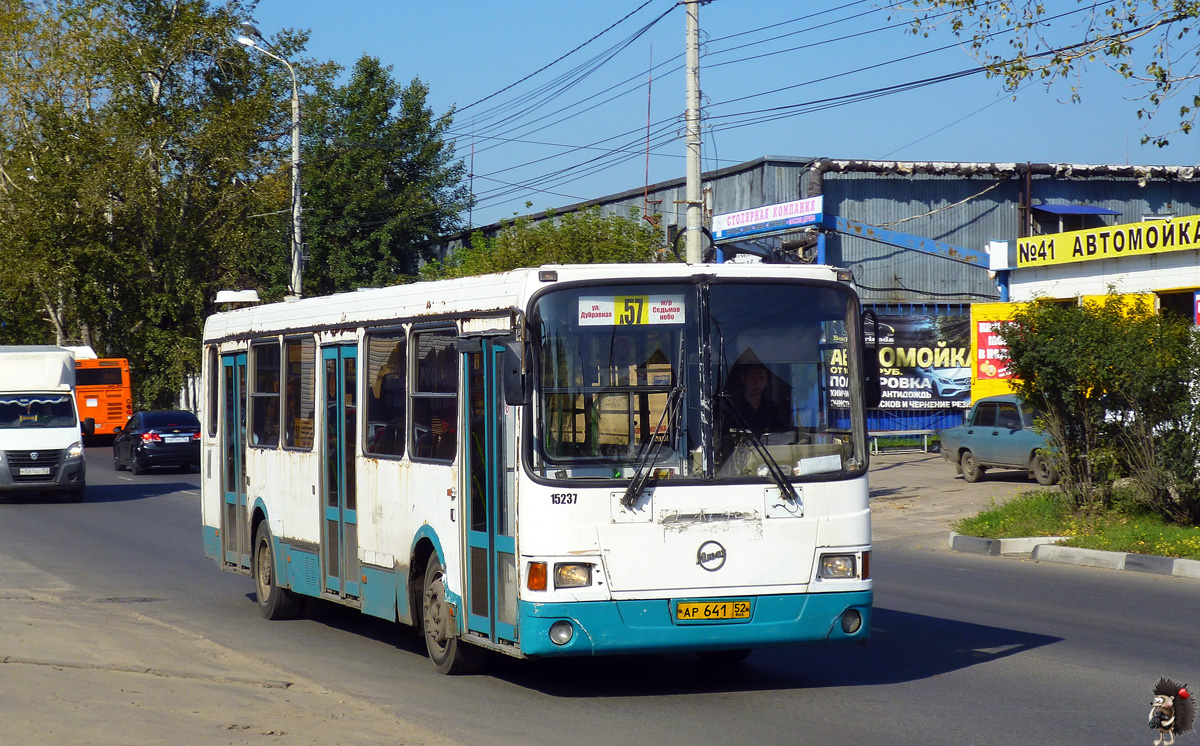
(721, 381)
(42, 411)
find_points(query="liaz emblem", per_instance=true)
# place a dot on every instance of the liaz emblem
(711, 556)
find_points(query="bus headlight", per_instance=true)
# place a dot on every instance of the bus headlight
(572, 575)
(838, 566)
(561, 632)
(75, 451)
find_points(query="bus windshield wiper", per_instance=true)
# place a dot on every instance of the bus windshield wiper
(769, 461)
(648, 453)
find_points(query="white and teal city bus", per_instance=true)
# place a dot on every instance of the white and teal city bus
(552, 462)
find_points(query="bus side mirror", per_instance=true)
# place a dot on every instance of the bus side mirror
(89, 427)
(872, 386)
(517, 383)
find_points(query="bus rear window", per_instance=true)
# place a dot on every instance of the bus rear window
(98, 377)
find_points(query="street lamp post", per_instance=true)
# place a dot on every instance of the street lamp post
(250, 33)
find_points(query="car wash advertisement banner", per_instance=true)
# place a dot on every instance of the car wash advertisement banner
(925, 361)
(1110, 242)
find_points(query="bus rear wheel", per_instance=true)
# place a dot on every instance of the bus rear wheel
(447, 651)
(274, 602)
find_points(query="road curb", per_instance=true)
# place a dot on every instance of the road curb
(978, 545)
(1046, 549)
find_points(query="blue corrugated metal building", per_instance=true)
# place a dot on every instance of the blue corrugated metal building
(963, 204)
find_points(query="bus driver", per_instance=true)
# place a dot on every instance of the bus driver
(751, 399)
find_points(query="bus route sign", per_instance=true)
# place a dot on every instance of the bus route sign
(630, 310)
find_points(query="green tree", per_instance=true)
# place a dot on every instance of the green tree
(1017, 41)
(1117, 385)
(584, 237)
(48, 89)
(135, 152)
(381, 181)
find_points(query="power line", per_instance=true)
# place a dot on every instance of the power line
(611, 157)
(559, 59)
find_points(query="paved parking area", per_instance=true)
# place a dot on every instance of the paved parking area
(918, 494)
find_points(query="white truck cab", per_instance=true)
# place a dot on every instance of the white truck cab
(41, 437)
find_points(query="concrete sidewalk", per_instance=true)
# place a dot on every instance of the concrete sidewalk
(77, 670)
(919, 494)
(915, 495)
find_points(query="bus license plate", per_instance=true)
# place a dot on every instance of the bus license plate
(712, 610)
(33, 471)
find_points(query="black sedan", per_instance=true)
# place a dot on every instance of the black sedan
(158, 438)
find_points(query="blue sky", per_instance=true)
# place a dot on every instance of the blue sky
(578, 130)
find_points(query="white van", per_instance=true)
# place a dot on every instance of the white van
(41, 437)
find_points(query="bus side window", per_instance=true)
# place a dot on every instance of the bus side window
(265, 396)
(386, 365)
(299, 406)
(214, 402)
(435, 395)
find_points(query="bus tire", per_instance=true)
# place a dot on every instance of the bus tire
(273, 602)
(972, 471)
(448, 652)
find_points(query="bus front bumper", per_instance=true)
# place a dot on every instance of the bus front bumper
(648, 626)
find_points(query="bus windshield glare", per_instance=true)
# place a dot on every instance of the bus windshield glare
(719, 381)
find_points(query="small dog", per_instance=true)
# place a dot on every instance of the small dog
(1171, 711)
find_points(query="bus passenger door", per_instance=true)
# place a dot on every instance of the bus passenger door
(339, 499)
(490, 446)
(235, 524)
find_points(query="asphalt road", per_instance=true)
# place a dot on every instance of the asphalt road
(965, 648)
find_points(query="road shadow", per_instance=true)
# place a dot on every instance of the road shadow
(1015, 476)
(116, 493)
(903, 647)
(352, 621)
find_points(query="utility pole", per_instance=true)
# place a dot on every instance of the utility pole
(694, 198)
(297, 239)
(249, 35)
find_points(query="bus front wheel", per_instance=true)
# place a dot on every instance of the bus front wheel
(447, 651)
(274, 602)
